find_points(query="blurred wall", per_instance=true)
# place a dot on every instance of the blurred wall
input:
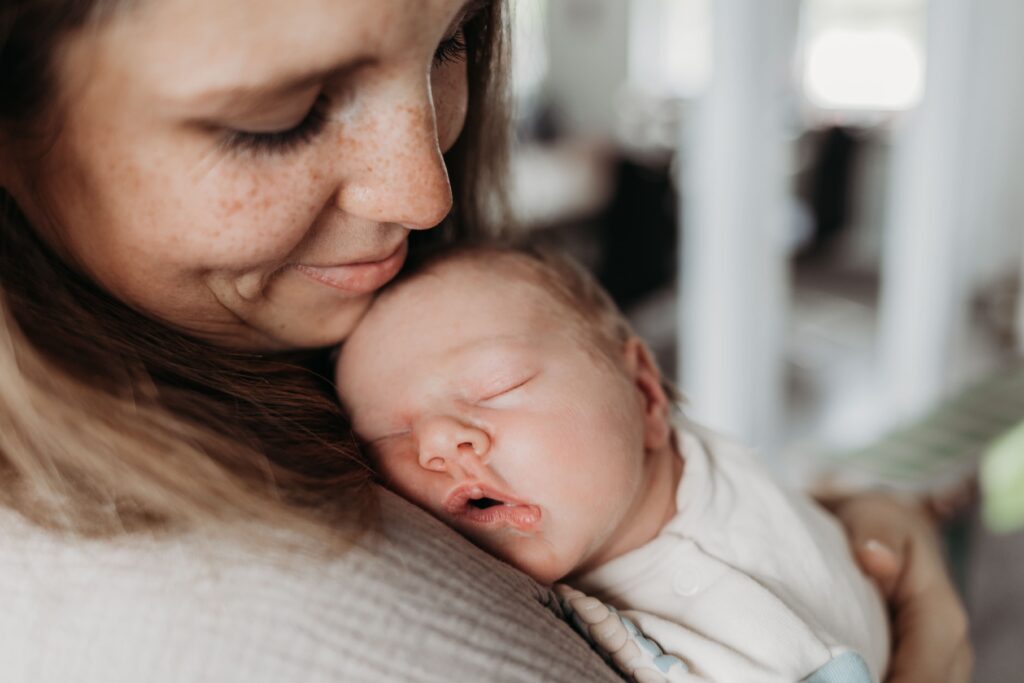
(995, 157)
(588, 49)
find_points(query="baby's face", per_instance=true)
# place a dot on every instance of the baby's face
(479, 400)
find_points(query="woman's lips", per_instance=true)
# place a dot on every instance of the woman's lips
(358, 278)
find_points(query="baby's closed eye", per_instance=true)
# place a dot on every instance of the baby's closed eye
(494, 396)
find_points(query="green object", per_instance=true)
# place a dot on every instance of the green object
(942, 448)
(1002, 482)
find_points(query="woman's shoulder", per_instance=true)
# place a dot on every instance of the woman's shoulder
(413, 601)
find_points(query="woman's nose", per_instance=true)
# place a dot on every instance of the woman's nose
(397, 173)
(447, 443)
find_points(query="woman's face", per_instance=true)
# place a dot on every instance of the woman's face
(249, 170)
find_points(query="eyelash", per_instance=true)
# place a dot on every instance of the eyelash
(510, 389)
(282, 141)
(451, 50)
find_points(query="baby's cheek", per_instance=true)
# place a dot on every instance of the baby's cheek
(404, 477)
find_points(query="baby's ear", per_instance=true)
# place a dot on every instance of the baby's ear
(646, 377)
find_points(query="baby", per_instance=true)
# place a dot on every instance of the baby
(503, 392)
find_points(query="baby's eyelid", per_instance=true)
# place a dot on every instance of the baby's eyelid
(506, 390)
(386, 437)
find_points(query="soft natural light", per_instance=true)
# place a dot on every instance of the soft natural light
(670, 46)
(863, 69)
(530, 55)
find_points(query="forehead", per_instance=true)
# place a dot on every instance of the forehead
(472, 296)
(189, 47)
(426, 329)
(454, 306)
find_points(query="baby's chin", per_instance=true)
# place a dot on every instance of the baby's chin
(535, 557)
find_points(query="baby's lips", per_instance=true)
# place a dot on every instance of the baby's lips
(520, 516)
(461, 496)
(497, 507)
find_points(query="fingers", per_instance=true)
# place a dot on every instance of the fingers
(931, 631)
(896, 544)
(931, 647)
(880, 562)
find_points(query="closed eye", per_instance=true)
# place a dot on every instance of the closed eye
(507, 389)
(452, 49)
(284, 140)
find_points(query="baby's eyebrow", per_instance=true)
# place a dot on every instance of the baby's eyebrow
(503, 342)
(386, 437)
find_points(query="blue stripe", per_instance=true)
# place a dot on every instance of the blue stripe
(848, 667)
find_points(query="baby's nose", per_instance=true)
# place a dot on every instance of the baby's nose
(446, 443)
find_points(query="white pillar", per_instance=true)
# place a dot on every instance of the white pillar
(1020, 309)
(735, 203)
(927, 258)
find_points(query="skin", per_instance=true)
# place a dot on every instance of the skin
(242, 247)
(458, 377)
(896, 545)
(139, 191)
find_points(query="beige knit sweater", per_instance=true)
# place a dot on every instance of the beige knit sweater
(415, 602)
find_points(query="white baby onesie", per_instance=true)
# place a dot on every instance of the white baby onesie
(747, 582)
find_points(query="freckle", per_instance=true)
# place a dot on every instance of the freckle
(232, 206)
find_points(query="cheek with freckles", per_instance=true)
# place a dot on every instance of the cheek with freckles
(230, 216)
(244, 213)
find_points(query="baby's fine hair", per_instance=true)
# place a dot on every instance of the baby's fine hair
(560, 276)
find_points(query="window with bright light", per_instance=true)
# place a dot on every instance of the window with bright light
(863, 55)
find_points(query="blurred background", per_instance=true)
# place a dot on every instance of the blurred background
(813, 210)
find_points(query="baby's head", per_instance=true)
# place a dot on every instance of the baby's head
(503, 392)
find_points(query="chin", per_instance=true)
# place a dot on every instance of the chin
(545, 572)
(547, 578)
(342, 323)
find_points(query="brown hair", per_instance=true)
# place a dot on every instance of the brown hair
(111, 421)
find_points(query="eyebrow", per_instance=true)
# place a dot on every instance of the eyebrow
(241, 98)
(503, 342)
(471, 7)
(285, 85)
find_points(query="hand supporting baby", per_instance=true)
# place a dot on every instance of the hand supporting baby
(895, 543)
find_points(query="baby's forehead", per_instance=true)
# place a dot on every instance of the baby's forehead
(474, 283)
(454, 300)
(505, 276)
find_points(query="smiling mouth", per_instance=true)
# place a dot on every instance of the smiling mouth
(480, 505)
(358, 278)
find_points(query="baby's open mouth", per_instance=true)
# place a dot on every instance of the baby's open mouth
(479, 504)
(484, 503)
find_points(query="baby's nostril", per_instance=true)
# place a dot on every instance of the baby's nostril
(435, 463)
